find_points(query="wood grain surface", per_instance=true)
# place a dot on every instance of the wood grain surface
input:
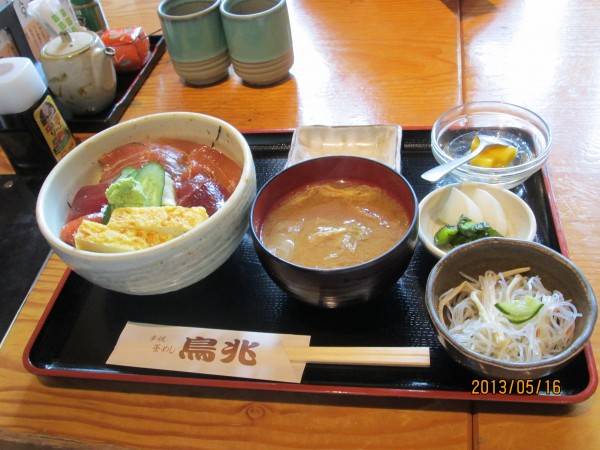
(92, 414)
(543, 55)
(356, 62)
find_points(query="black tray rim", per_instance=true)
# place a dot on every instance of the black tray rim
(320, 388)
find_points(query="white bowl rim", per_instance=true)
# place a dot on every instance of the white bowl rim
(56, 242)
(423, 204)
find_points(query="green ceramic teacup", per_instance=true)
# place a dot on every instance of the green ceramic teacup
(259, 39)
(195, 39)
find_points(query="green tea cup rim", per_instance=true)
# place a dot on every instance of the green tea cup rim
(163, 14)
(230, 15)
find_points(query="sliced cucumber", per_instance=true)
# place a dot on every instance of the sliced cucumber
(520, 310)
(168, 198)
(128, 172)
(152, 179)
(108, 209)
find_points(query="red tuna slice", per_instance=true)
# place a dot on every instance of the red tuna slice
(128, 155)
(67, 233)
(137, 154)
(172, 159)
(121, 153)
(201, 191)
(213, 164)
(182, 145)
(89, 199)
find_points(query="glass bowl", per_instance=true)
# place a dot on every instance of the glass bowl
(454, 130)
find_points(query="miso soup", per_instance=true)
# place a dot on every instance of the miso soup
(334, 224)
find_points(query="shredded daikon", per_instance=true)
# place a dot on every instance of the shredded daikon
(469, 312)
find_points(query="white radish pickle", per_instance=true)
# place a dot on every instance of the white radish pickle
(492, 210)
(458, 203)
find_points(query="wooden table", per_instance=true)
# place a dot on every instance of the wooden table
(356, 62)
(542, 55)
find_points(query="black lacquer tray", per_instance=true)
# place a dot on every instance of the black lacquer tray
(128, 84)
(23, 249)
(83, 322)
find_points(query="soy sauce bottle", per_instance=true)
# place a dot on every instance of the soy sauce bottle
(33, 132)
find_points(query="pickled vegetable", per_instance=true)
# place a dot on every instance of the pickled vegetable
(464, 231)
(493, 156)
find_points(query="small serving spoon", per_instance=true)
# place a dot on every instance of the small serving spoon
(438, 172)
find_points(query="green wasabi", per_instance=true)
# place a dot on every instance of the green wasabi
(126, 192)
(127, 172)
(135, 188)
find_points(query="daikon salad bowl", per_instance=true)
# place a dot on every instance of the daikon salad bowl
(171, 265)
(501, 254)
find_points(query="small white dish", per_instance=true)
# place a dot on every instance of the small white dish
(381, 143)
(521, 221)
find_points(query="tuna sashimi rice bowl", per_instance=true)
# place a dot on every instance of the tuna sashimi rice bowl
(149, 192)
(144, 185)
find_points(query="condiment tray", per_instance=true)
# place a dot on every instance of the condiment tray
(82, 322)
(128, 84)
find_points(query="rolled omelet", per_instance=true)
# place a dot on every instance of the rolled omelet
(96, 237)
(136, 228)
(171, 220)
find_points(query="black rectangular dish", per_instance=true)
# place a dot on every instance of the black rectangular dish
(128, 84)
(83, 322)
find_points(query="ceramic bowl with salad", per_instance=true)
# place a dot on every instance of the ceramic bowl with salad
(150, 205)
(510, 309)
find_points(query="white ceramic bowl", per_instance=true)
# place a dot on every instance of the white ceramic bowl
(522, 223)
(177, 263)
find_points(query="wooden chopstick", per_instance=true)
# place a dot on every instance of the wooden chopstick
(370, 356)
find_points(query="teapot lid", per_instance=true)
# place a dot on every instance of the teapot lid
(68, 44)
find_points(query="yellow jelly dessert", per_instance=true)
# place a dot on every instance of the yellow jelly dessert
(494, 155)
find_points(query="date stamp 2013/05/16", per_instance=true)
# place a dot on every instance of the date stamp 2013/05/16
(518, 387)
